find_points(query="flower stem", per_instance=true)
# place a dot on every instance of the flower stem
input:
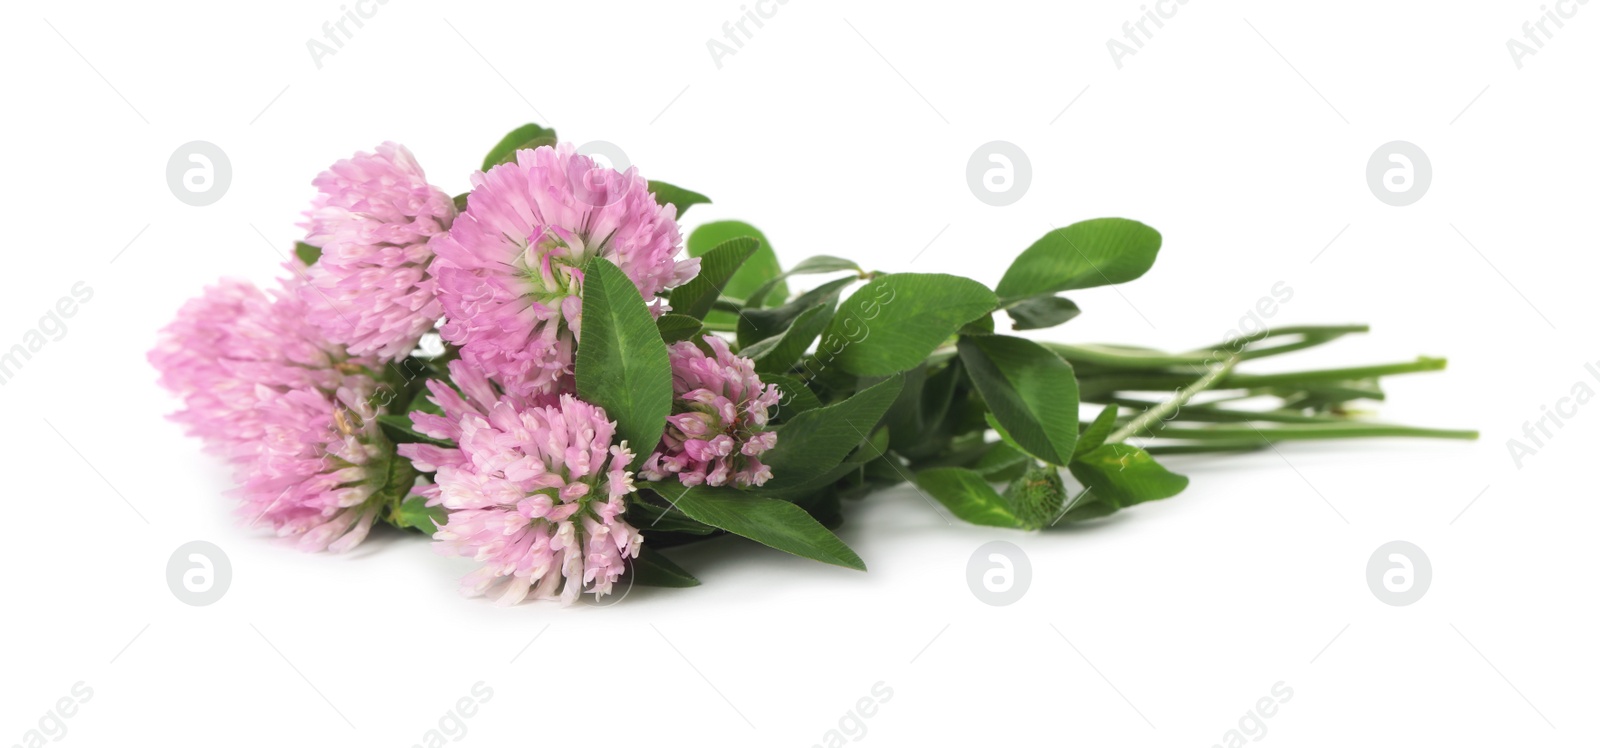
(1155, 414)
(1105, 384)
(1294, 432)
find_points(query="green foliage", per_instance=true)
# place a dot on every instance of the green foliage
(816, 441)
(621, 363)
(892, 323)
(652, 569)
(968, 495)
(1099, 252)
(717, 267)
(756, 325)
(1118, 476)
(1040, 312)
(1096, 434)
(413, 513)
(1030, 391)
(676, 327)
(758, 270)
(527, 136)
(779, 524)
(307, 253)
(679, 198)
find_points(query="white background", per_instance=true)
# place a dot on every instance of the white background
(844, 128)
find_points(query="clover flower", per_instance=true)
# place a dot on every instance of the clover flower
(294, 413)
(533, 492)
(717, 432)
(510, 268)
(373, 219)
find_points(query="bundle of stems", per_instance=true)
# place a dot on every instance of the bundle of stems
(1204, 403)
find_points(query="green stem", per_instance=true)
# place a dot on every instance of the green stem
(1423, 363)
(1205, 448)
(1296, 432)
(1120, 357)
(1210, 413)
(1155, 414)
(1331, 331)
(1157, 382)
(1125, 357)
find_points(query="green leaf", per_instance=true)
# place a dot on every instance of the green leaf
(652, 569)
(813, 265)
(622, 363)
(678, 197)
(1005, 436)
(797, 397)
(716, 267)
(1092, 253)
(940, 392)
(873, 448)
(415, 513)
(999, 460)
(1118, 476)
(1030, 391)
(816, 441)
(780, 352)
(907, 418)
(774, 523)
(460, 201)
(1096, 434)
(969, 496)
(399, 430)
(981, 326)
(892, 323)
(1041, 312)
(676, 327)
(658, 516)
(823, 264)
(424, 402)
(759, 324)
(307, 253)
(761, 267)
(527, 136)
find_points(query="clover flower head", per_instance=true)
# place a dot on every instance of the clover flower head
(534, 492)
(718, 429)
(293, 412)
(374, 218)
(510, 268)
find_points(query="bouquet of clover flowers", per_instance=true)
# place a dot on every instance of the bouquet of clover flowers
(537, 376)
